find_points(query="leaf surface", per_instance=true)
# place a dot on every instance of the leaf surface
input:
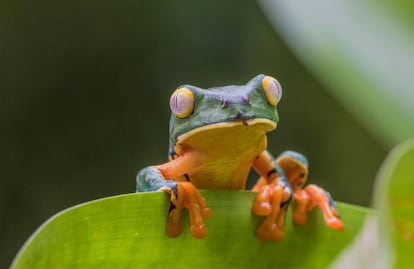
(128, 231)
(387, 239)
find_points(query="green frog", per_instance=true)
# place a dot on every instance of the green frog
(217, 136)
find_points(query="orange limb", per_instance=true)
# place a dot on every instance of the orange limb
(318, 197)
(270, 197)
(302, 206)
(177, 167)
(185, 196)
(262, 205)
(271, 200)
(295, 168)
(259, 184)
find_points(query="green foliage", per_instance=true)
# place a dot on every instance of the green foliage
(387, 239)
(128, 231)
(84, 93)
(363, 51)
(399, 170)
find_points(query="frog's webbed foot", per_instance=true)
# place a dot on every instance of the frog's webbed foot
(312, 196)
(272, 202)
(324, 201)
(185, 195)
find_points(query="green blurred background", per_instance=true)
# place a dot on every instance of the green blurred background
(84, 91)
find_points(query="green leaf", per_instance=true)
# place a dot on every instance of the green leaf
(387, 239)
(128, 231)
(363, 51)
(401, 199)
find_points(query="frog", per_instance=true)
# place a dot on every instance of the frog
(217, 136)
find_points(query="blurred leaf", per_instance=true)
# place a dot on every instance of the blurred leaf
(128, 231)
(387, 239)
(363, 51)
(400, 171)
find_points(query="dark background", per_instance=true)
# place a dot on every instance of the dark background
(84, 91)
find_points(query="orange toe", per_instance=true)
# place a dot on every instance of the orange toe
(262, 206)
(188, 197)
(269, 231)
(173, 229)
(334, 223)
(198, 231)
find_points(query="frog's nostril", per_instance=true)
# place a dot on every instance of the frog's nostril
(246, 100)
(224, 102)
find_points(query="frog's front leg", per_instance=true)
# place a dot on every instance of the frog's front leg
(273, 198)
(183, 195)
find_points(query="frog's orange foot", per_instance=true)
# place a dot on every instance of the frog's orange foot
(174, 227)
(324, 201)
(269, 230)
(271, 201)
(332, 219)
(334, 223)
(300, 218)
(262, 205)
(187, 196)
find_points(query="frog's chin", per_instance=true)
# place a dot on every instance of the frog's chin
(262, 124)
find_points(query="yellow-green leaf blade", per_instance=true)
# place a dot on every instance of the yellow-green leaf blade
(386, 240)
(128, 231)
(397, 190)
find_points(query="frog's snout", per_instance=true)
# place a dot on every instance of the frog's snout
(237, 105)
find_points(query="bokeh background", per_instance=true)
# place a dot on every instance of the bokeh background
(84, 91)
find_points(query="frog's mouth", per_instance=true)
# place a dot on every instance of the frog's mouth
(258, 124)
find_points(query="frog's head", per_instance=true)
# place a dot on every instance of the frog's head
(195, 109)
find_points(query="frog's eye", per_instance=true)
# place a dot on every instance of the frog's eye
(182, 103)
(272, 90)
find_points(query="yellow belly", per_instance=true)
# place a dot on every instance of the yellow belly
(221, 156)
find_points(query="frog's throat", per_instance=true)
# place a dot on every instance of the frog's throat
(266, 124)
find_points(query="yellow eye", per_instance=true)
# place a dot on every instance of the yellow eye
(182, 103)
(272, 90)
